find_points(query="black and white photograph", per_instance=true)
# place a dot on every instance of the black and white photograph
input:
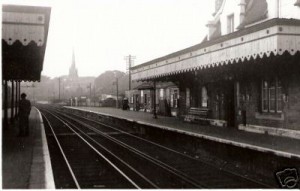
(150, 94)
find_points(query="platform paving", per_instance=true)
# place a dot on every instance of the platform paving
(281, 146)
(25, 160)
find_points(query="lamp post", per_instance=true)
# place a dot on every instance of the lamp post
(59, 88)
(116, 83)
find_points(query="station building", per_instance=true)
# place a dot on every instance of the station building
(245, 73)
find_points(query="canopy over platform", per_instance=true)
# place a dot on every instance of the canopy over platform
(24, 39)
(272, 37)
(150, 85)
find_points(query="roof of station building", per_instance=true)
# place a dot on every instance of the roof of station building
(256, 10)
(260, 26)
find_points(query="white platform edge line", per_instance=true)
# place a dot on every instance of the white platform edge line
(220, 140)
(49, 179)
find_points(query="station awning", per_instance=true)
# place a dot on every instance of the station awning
(145, 86)
(24, 39)
(272, 37)
(150, 85)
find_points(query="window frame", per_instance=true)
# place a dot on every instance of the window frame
(161, 94)
(174, 98)
(204, 97)
(266, 96)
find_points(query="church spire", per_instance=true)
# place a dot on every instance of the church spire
(73, 59)
(73, 74)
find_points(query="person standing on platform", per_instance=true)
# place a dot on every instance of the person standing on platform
(24, 111)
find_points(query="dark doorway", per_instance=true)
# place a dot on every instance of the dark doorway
(229, 103)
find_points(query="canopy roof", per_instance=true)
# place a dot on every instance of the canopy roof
(24, 39)
(150, 85)
(274, 36)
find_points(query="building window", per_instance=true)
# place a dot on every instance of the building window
(204, 97)
(145, 99)
(142, 96)
(271, 96)
(131, 99)
(188, 96)
(174, 98)
(161, 94)
(230, 23)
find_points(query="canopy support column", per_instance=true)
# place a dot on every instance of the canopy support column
(12, 103)
(236, 102)
(16, 99)
(19, 94)
(154, 100)
(5, 120)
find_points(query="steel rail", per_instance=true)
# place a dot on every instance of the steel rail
(129, 166)
(63, 154)
(100, 154)
(161, 164)
(118, 158)
(169, 149)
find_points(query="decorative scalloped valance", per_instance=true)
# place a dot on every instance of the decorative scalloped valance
(25, 27)
(273, 40)
(24, 39)
(23, 33)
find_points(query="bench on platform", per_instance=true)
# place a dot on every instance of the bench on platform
(196, 114)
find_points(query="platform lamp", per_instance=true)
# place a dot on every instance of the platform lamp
(116, 83)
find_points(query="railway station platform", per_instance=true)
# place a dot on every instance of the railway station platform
(279, 146)
(25, 160)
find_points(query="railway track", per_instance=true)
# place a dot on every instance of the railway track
(138, 162)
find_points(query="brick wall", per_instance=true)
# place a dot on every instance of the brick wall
(289, 118)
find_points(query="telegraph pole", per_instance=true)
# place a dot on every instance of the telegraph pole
(59, 88)
(117, 93)
(91, 90)
(129, 60)
(94, 95)
(90, 93)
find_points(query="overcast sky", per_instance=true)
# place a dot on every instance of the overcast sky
(103, 32)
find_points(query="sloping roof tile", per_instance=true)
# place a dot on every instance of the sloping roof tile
(256, 10)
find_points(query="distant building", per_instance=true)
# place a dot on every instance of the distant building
(60, 88)
(74, 86)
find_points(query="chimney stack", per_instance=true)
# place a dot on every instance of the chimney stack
(242, 10)
(218, 4)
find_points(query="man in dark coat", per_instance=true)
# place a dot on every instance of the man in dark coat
(24, 111)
